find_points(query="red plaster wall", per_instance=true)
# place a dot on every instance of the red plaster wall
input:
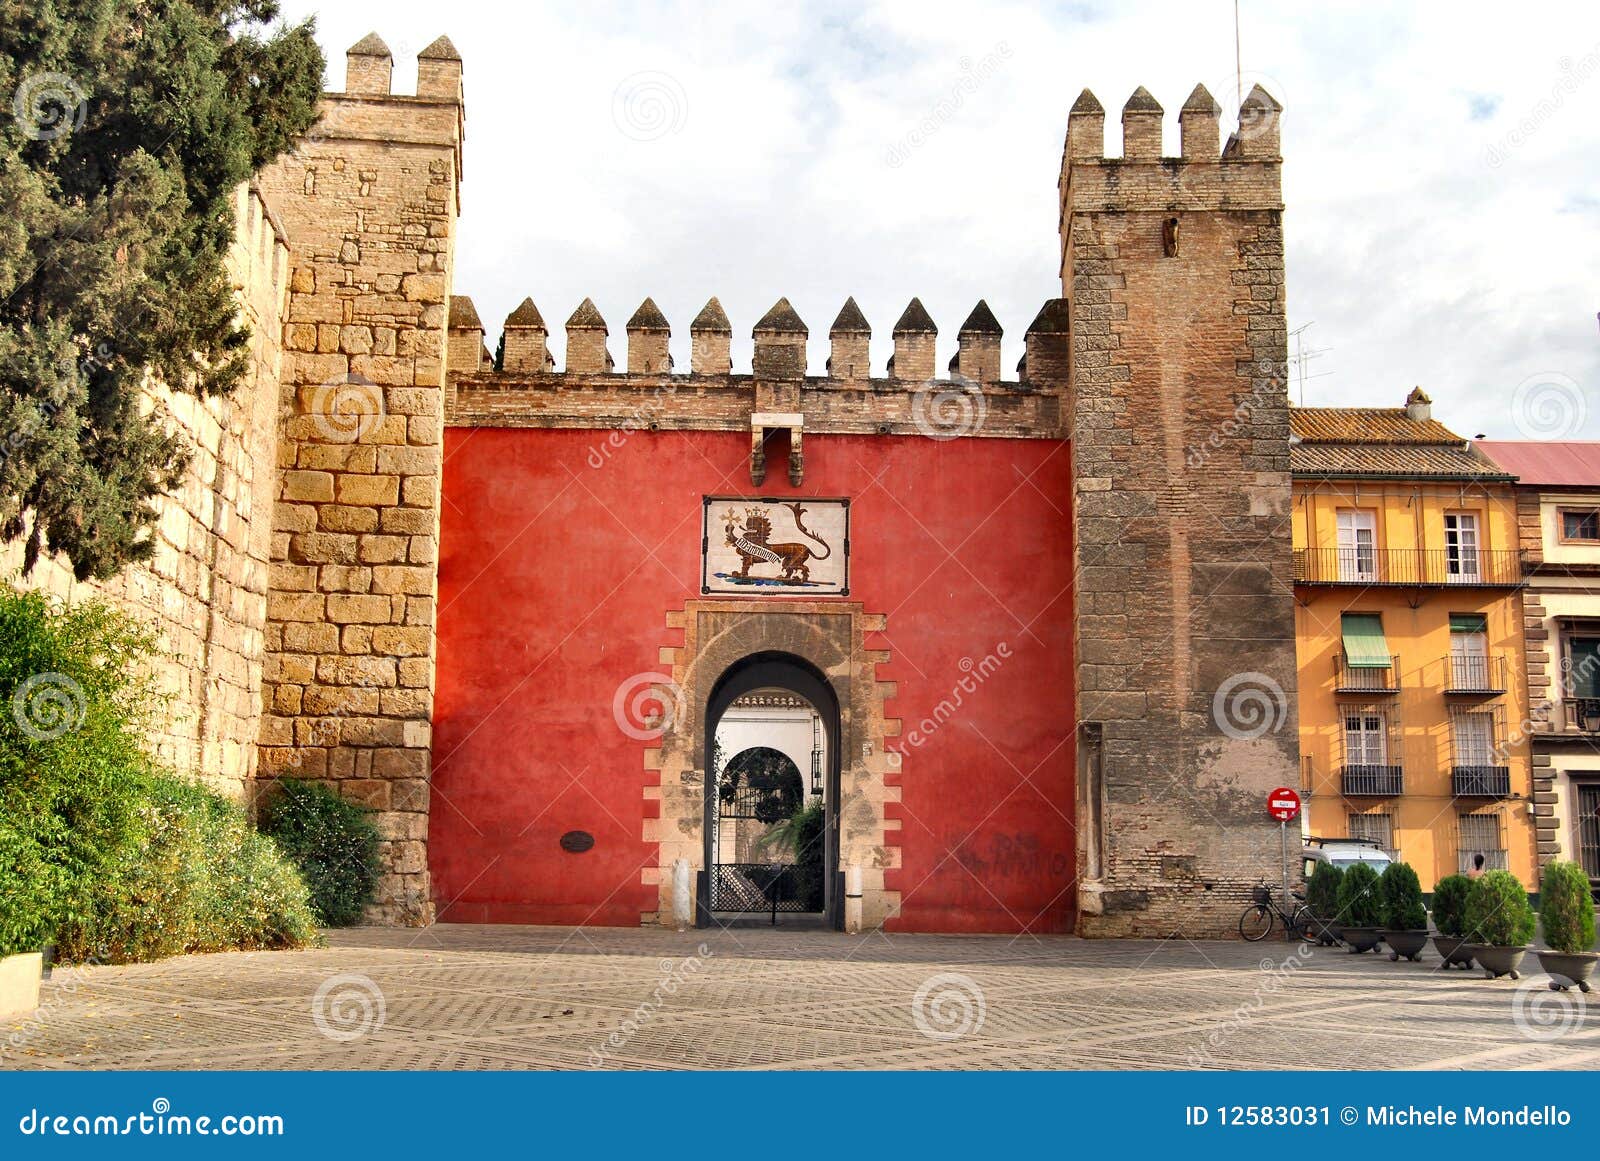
(561, 554)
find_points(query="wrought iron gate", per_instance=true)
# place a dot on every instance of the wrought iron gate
(751, 887)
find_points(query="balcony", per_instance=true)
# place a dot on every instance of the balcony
(1480, 781)
(1371, 781)
(1493, 860)
(1414, 567)
(1366, 680)
(1474, 676)
(1580, 715)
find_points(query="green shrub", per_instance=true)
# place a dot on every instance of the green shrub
(102, 851)
(332, 841)
(1360, 900)
(1566, 908)
(1402, 899)
(1450, 904)
(1322, 891)
(1498, 912)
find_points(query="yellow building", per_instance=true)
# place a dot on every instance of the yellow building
(1413, 687)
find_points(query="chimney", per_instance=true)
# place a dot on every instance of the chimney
(1141, 127)
(525, 352)
(1086, 128)
(439, 71)
(710, 336)
(648, 333)
(586, 341)
(780, 343)
(978, 359)
(368, 66)
(465, 337)
(1200, 126)
(914, 337)
(1419, 407)
(848, 341)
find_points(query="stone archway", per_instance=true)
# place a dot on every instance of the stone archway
(830, 638)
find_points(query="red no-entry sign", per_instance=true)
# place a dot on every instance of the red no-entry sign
(1283, 804)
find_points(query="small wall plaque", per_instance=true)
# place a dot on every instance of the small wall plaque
(764, 547)
(577, 841)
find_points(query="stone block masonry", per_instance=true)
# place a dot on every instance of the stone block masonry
(370, 200)
(1185, 626)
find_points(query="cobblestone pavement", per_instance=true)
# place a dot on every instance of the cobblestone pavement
(470, 997)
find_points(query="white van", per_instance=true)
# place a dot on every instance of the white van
(1343, 853)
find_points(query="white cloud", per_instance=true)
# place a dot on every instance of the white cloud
(1417, 259)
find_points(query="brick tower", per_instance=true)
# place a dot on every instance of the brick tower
(369, 202)
(1179, 423)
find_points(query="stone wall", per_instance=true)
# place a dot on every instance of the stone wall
(370, 200)
(1179, 425)
(205, 588)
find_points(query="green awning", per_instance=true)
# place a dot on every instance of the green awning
(1364, 646)
(1468, 623)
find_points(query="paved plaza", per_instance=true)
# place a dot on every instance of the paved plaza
(470, 997)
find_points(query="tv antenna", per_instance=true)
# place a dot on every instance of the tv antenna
(1301, 360)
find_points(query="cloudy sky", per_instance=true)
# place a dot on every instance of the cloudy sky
(1442, 170)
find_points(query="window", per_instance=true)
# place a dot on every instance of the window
(1366, 738)
(1461, 547)
(1474, 738)
(1358, 546)
(1479, 834)
(1469, 651)
(1580, 524)
(1583, 667)
(1366, 652)
(1378, 828)
(1588, 826)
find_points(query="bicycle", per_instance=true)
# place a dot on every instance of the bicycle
(1257, 920)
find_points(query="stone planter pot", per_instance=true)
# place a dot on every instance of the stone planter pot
(1324, 931)
(1361, 939)
(19, 983)
(1498, 961)
(1454, 950)
(1568, 969)
(1406, 943)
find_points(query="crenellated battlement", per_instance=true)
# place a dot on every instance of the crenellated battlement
(1242, 174)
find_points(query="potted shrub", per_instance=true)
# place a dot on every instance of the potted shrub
(1322, 897)
(1360, 908)
(1500, 923)
(1566, 912)
(28, 920)
(1450, 917)
(1405, 919)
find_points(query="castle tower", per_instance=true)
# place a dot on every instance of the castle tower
(369, 201)
(1173, 269)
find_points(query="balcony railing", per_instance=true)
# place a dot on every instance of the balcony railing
(1474, 674)
(1420, 567)
(1364, 680)
(1480, 781)
(1493, 860)
(1581, 714)
(1364, 781)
